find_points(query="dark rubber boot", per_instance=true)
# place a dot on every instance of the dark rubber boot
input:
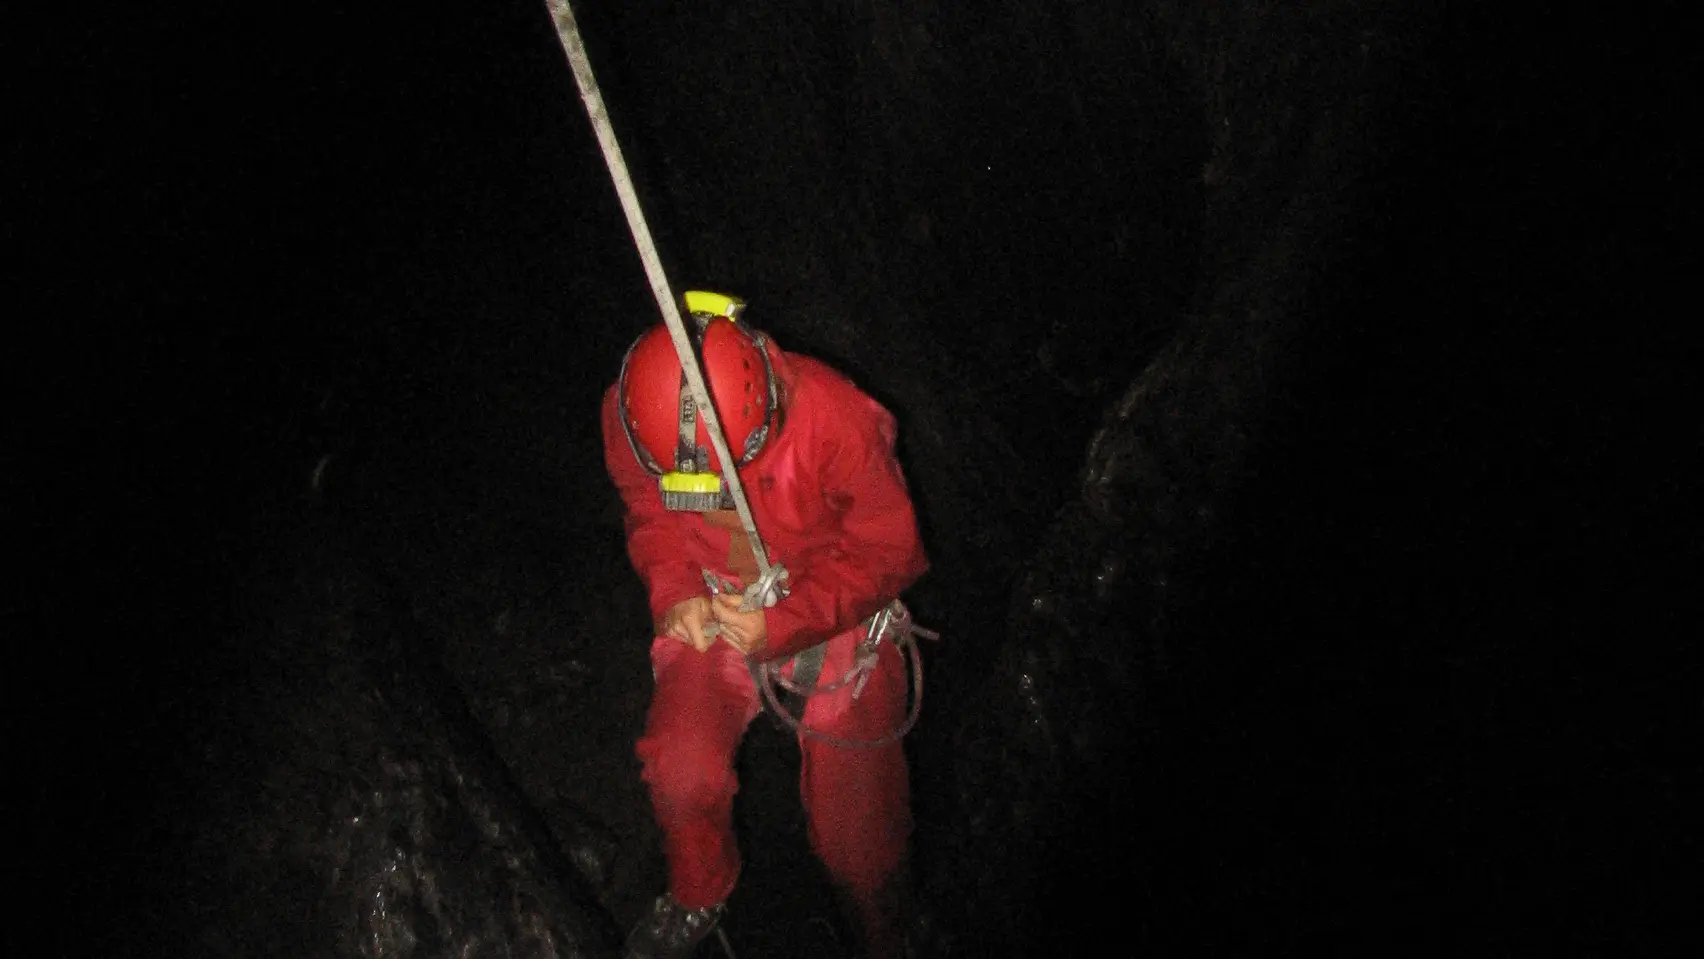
(670, 930)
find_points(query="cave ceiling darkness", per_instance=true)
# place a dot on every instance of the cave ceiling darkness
(1266, 383)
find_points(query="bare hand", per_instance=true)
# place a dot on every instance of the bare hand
(685, 621)
(746, 632)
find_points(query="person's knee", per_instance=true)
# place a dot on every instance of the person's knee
(686, 774)
(864, 861)
(860, 817)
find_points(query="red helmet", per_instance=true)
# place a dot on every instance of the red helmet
(657, 409)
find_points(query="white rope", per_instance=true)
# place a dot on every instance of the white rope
(568, 32)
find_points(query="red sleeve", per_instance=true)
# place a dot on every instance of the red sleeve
(654, 535)
(876, 553)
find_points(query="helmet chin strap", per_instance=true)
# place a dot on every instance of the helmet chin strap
(687, 450)
(765, 591)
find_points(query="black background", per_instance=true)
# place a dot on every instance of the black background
(1426, 683)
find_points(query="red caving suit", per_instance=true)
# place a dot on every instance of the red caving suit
(831, 505)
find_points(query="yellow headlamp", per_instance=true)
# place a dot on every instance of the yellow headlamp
(714, 304)
(698, 492)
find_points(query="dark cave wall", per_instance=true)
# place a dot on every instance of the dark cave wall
(1180, 190)
(1288, 222)
(1114, 658)
(360, 810)
(993, 228)
(1300, 280)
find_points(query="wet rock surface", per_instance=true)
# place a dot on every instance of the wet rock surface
(1275, 385)
(364, 812)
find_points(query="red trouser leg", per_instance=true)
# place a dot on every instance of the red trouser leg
(702, 705)
(858, 801)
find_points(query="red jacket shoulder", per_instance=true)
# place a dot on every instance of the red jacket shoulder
(831, 401)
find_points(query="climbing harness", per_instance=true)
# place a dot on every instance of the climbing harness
(892, 623)
(893, 620)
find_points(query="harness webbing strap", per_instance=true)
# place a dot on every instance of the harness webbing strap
(893, 619)
(686, 449)
(807, 665)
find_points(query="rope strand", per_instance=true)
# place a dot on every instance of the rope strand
(767, 677)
